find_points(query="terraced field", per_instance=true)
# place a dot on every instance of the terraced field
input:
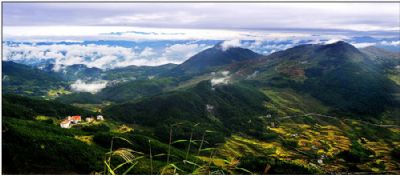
(315, 144)
(288, 102)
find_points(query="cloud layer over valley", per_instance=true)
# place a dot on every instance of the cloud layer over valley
(92, 87)
(100, 56)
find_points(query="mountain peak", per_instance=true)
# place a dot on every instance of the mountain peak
(340, 45)
(341, 50)
(219, 55)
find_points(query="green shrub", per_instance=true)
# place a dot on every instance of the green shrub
(357, 153)
(260, 164)
(290, 143)
(96, 128)
(395, 153)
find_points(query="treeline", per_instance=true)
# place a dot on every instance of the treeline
(27, 108)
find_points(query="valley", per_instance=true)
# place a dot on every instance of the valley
(310, 109)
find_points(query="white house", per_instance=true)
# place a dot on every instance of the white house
(320, 161)
(100, 117)
(69, 121)
(65, 124)
(209, 107)
(89, 119)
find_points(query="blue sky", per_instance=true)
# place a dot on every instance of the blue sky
(159, 33)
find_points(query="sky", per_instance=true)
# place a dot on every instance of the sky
(160, 33)
(342, 16)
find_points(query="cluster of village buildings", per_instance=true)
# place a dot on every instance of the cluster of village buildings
(72, 120)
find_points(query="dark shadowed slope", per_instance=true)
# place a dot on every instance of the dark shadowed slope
(22, 79)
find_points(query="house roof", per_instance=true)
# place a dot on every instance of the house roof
(76, 117)
(65, 122)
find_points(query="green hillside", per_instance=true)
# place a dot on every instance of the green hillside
(338, 75)
(221, 108)
(30, 142)
(135, 89)
(22, 79)
(137, 72)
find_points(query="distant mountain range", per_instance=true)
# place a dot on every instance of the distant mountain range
(338, 74)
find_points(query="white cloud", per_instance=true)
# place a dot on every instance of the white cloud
(275, 47)
(217, 81)
(61, 33)
(147, 52)
(178, 53)
(230, 44)
(99, 56)
(225, 73)
(355, 16)
(253, 75)
(391, 43)
(221, 78)
(256, 44)
(362, 45)
(152, 19)
(102, 62)
(92, 87)
(331, 41)
(142, 61)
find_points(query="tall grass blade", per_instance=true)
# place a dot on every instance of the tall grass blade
(109, 168)
(179, 141)
(151, 159)
(192, 163)
(169, 145)
(124, 139)
(130, 168)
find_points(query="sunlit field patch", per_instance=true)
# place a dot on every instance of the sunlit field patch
(86, 139)
(57, 92)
